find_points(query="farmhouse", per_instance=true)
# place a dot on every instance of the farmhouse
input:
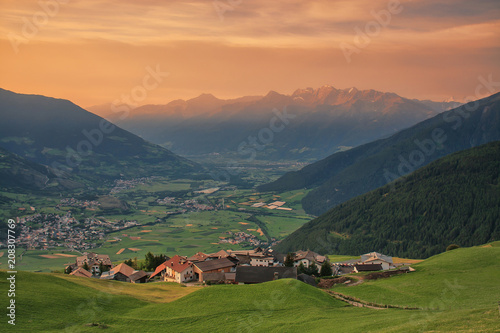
(218, 255)
(199, 256)
(81, 273)
(367, 268)
(377, 258)
(93, 261)
(125, 273)
(222, 265)
(139, 277)
(177, 269)
(307, 258)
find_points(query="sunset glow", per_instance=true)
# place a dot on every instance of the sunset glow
(92, 52)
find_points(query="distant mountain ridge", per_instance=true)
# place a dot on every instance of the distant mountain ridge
(325, 120)
(455, 199)
(347, 174)
(69, 139)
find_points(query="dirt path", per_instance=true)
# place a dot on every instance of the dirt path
(363, 304)
(359, 304)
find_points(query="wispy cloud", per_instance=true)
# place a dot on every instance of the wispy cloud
(260, 45)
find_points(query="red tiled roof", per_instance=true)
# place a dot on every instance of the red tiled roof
(200, 256)
(220, 254)
(158, 270)
(177, 263)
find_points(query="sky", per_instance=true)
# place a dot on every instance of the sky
(151, 52)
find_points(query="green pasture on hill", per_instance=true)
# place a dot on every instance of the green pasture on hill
(457, 291)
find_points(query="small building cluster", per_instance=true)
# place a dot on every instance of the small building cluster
(372, 261)
(227, 266)
(235, 267)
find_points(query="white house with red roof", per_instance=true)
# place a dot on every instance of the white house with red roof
(177, 269)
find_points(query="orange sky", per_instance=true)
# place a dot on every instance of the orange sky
(94, 51)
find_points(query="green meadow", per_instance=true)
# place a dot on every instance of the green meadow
(457, 291)
(160, 232)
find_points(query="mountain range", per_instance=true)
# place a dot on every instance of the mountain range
(73, 142)
(345, 175)
(455, 199)
(320, 122)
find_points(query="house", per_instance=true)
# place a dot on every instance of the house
(367, 267)
(199, 256)
(222, 265)
(218, 255)
(256, 274)
(81, 273)
(377, 258)
(176, 269)
(139, 277)
(93, 261)
(261, 260)
(124, 273)
(307, 258)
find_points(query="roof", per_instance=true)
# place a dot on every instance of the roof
(81, 272)
(177, 263)
(211, 265)
(220, 254)
(200, 256)
(158, 270)
(137, 275)
(307, 279)
(107, 276)
(122, 268)
(258, 274)
(368, 267)
(309, 255)
(375, 255)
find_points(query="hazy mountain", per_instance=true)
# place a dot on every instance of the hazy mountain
(60, 134)
(321, 121)
(345, 175)
(455, 199)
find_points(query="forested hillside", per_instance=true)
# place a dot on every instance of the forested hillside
(347, 174)
(453, 200)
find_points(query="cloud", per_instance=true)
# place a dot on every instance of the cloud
(92, 50)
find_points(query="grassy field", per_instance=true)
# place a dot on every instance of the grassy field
(457, 290)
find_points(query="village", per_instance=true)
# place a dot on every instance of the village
(44, 231)
(231, 267)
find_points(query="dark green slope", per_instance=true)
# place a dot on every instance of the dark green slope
(17, 173)
(453, 200)
(60, 134)
(348, 174)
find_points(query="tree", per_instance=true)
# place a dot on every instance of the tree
(68, 270)
(302, 269)
(289, 260)
(312, 269)
(129, 262)
(85, 266)
(326, 269)
(149, 261)
(452, 247)
(103, 268)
